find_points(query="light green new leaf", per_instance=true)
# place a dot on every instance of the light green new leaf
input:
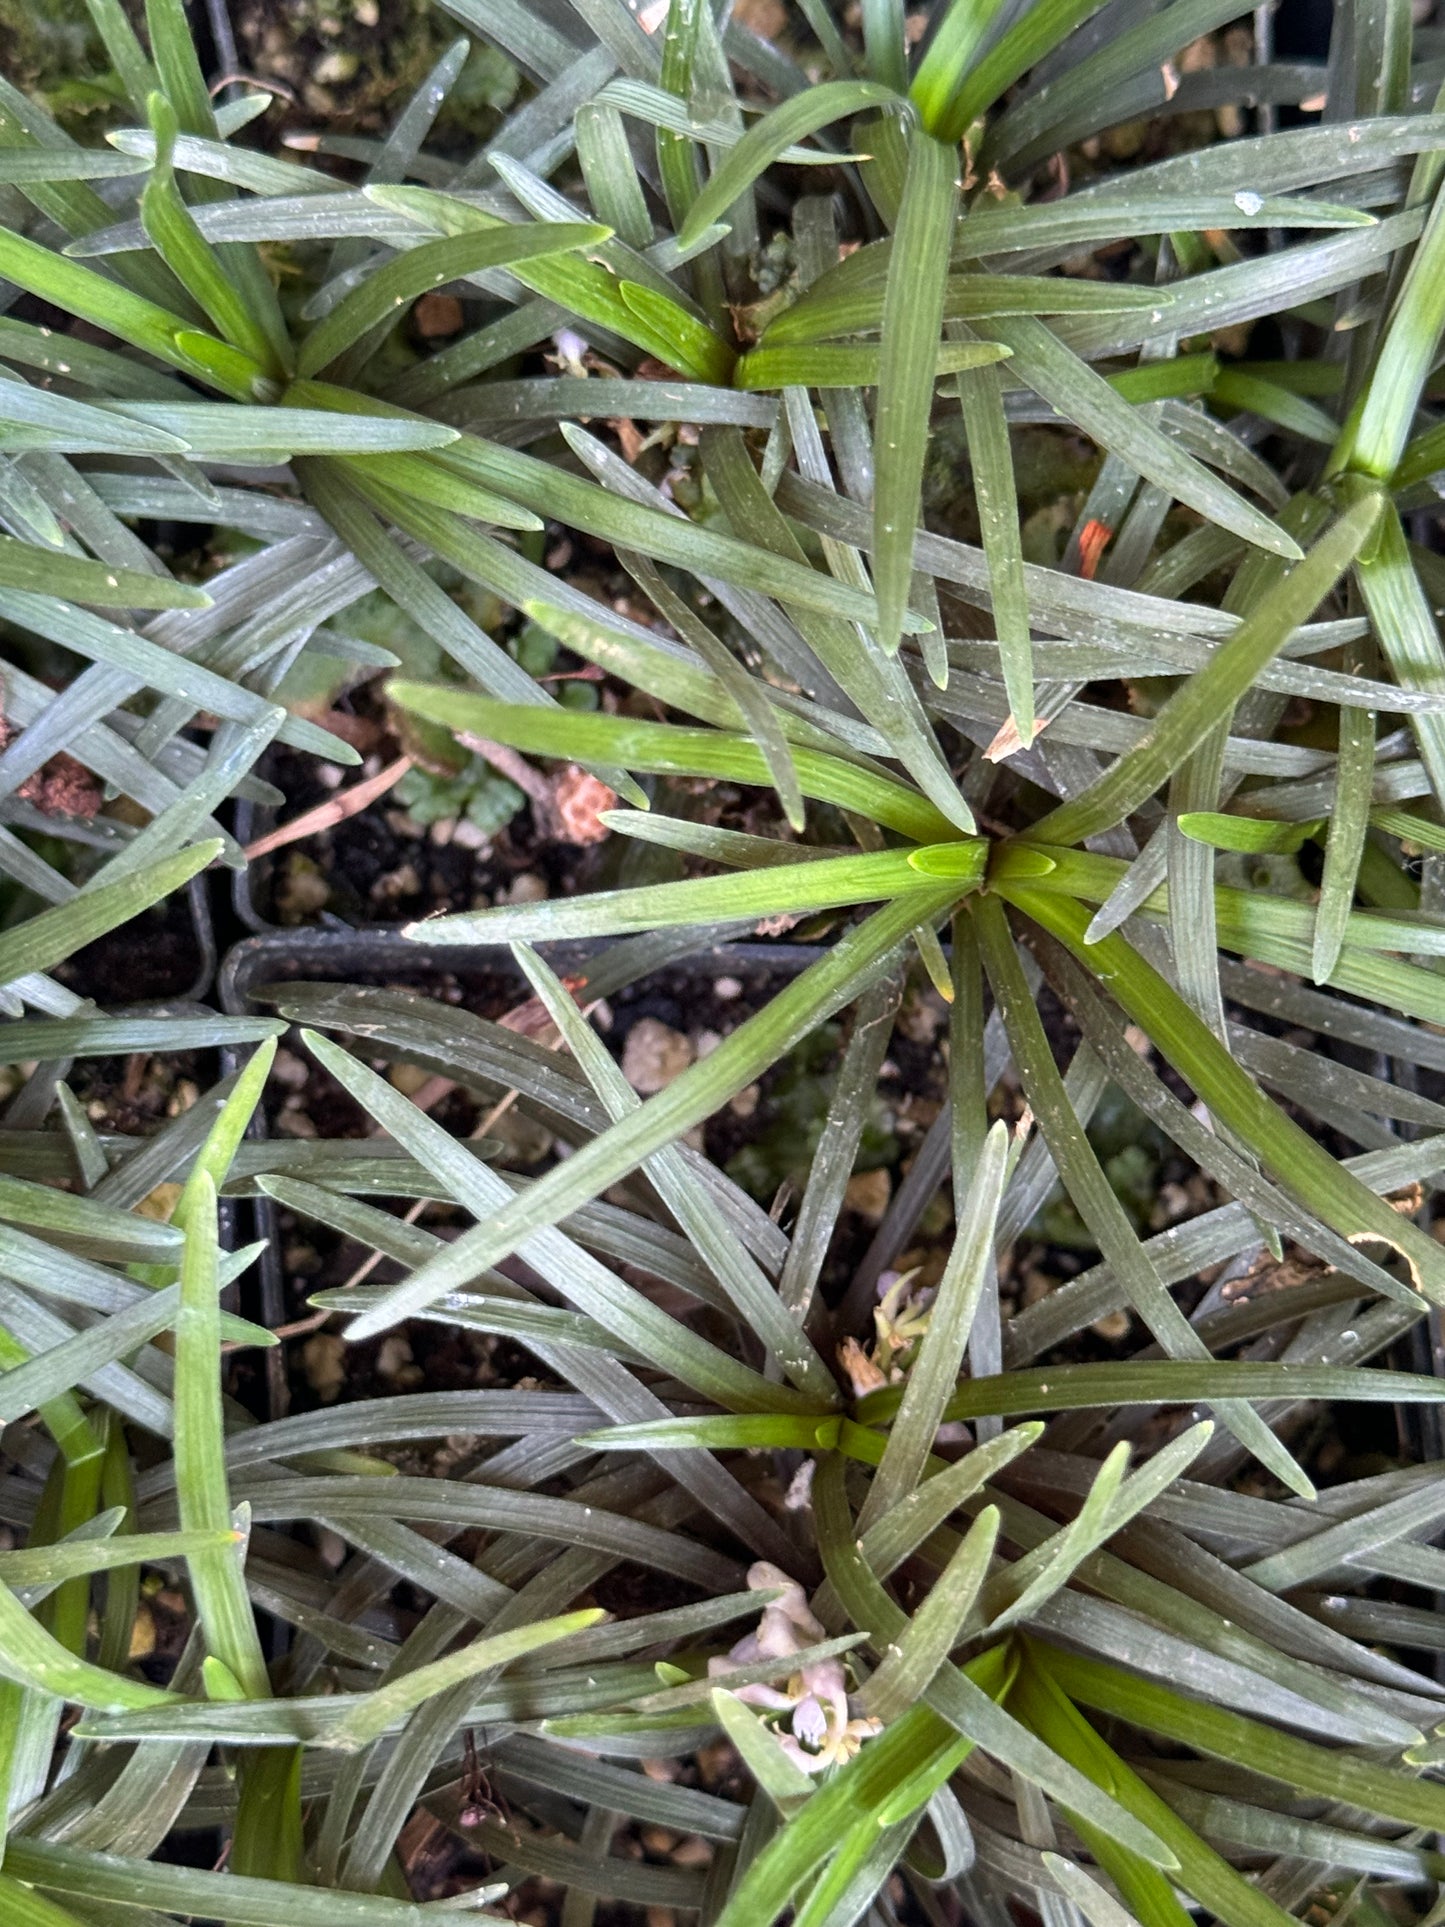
(1252, 835)
(34, 1658)
(44, 572)
(1038, 1699)
(378, 300)
(1041, 28)
(189, 256)
(782, 889)
(374, 1712)
(1390, 1792)
(961, 31)
(828, 365)
(668, 749)
(55, 934)
(766, 140)
(221, 1599)
(1406, 629)
(1407, 352)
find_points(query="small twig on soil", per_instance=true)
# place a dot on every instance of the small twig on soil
(508, 763)
(334, 810)
(277, 87)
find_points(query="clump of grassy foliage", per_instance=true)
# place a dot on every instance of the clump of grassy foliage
(1026, 1671)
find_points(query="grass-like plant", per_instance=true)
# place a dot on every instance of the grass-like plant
(938, 1666)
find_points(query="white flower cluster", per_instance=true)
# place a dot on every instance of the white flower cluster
(818, 1728)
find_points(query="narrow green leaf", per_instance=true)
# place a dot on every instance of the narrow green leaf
(854, 962)
(1407, 352)
(667, 749)
(981, 398)
(378, 300)
(1333, 1775)
(964, 1698)
(34, 1658)
(1406, 629)
(1088, 1185)
(766, 140)
(748, 1287)
(876, 683)
(1037, 1698)
(423, 481)
(1036, 33)
(824, 365)
(751, 1431)
(1111, 1502)
(45, 1566)
(610, 173)
(1253, 835)
(786, 1785)
(54, 935)
(221, 1600)
(936, 1627)
(828, 310)
(1189, 715)
(372, 1713)
(912, 320)
(586, 288)
(180, 244)
(783, 889)
(1066, 1388)
(748, 693)
(1300, 1164)
(961, 30)
(625, 1313)
(1348, 828)
(127, 56)
(691, 346)
(43, 572)
(1068, 384)
(930, 1380)
(221, 432)
(91, 296)
(128, 1883)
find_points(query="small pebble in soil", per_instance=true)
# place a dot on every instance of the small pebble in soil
(868, 1193)
(437, 315)
(143, 1634)
(654, 1055)
(403, 881)
(290, 1070)
(293, 1121)
(323, 1358)
(1113, 1326)
(1037, 1285)
(331, 1547)
(746, 1101)
(394, 1361)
